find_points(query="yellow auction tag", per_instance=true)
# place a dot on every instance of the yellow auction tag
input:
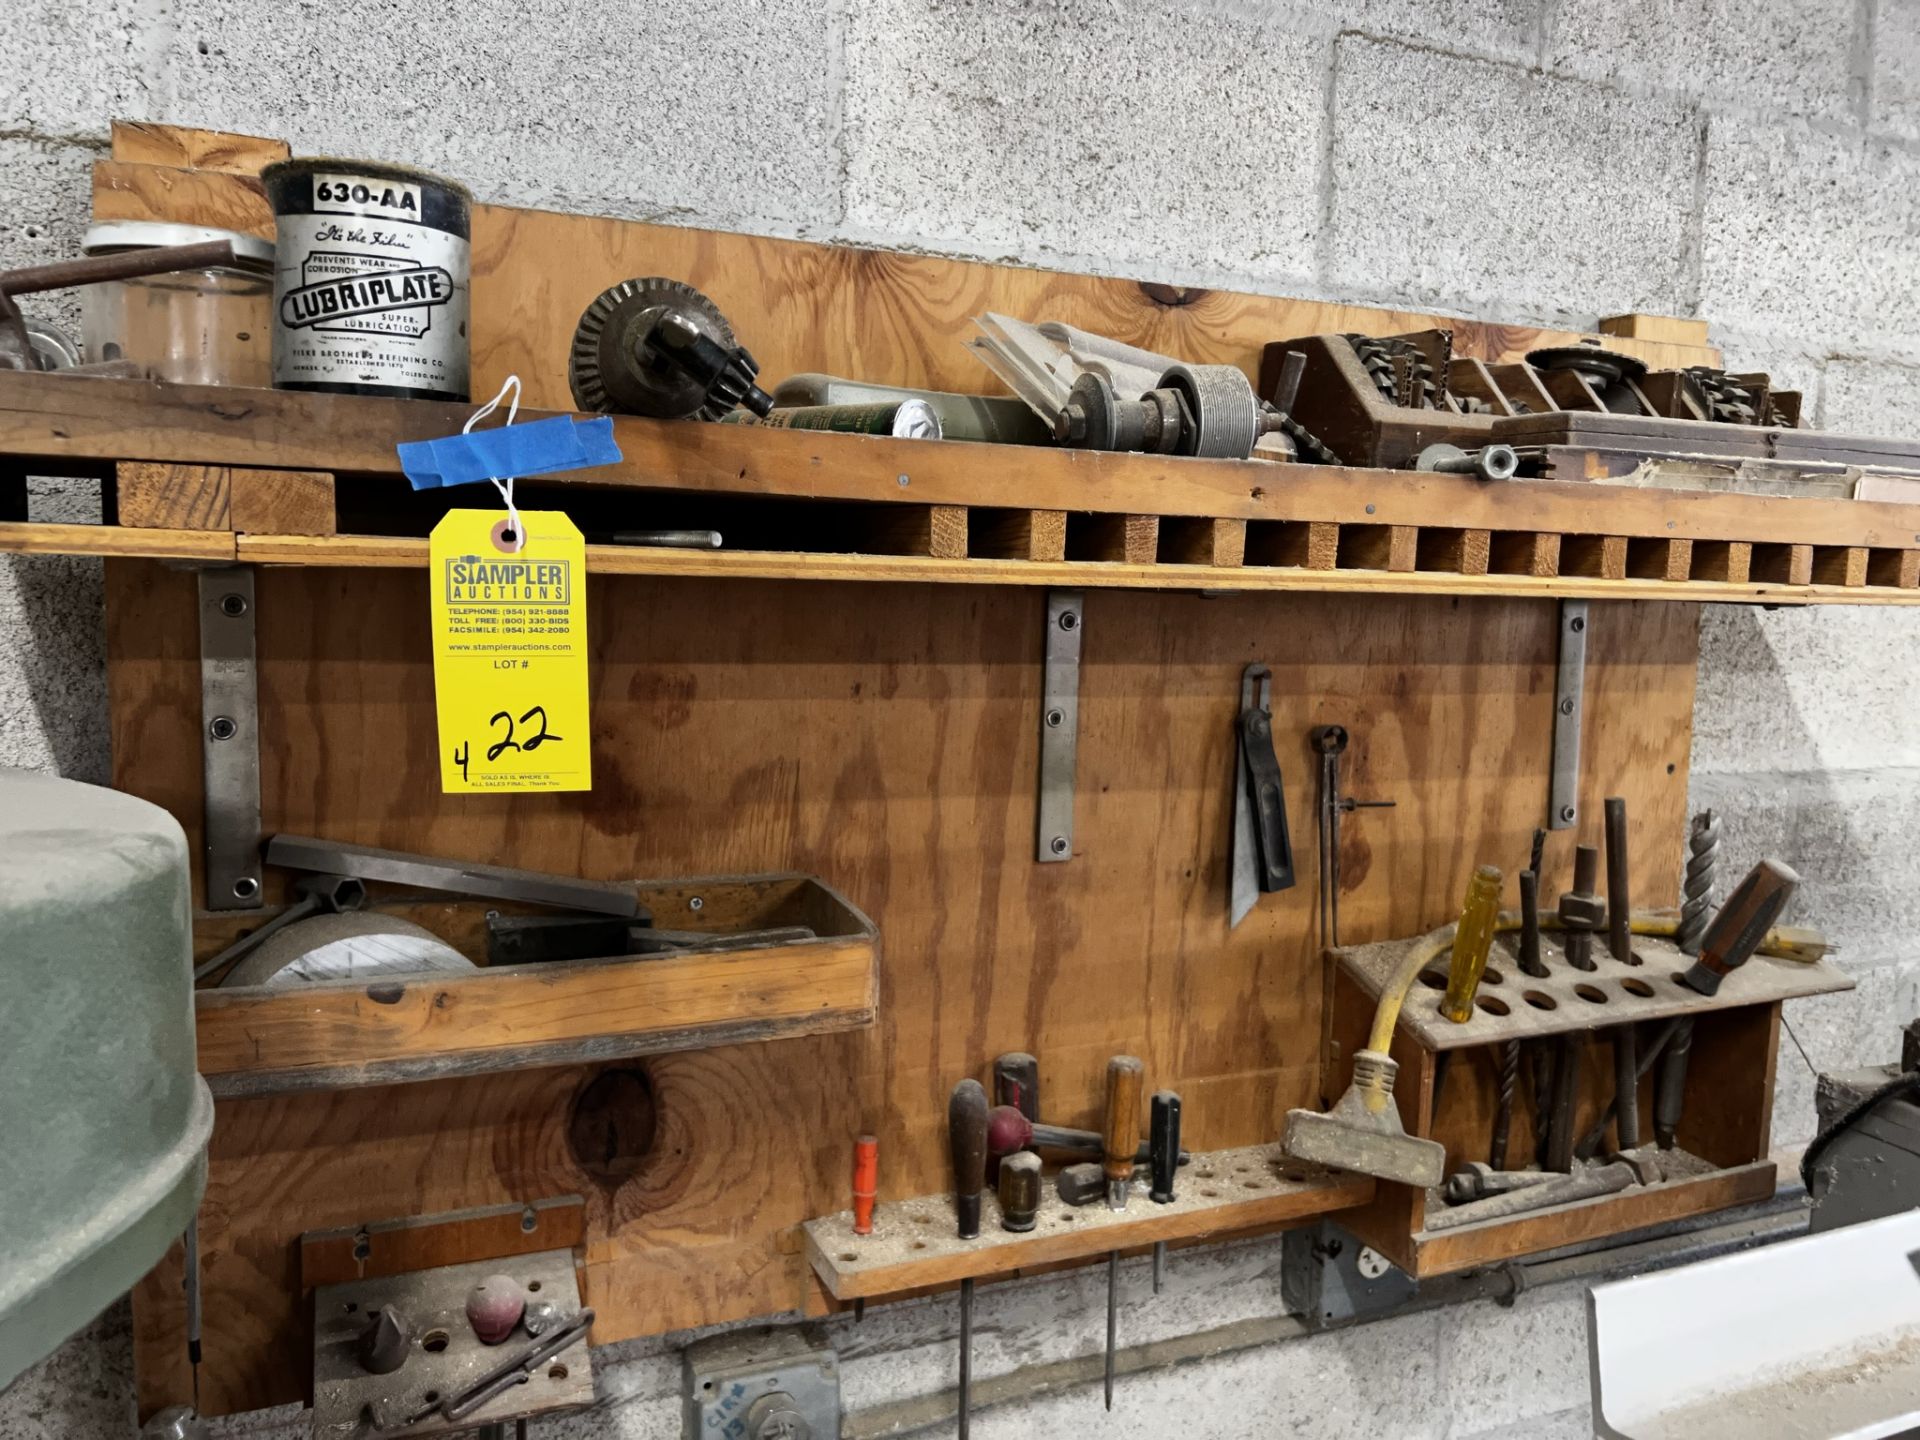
(510, 653)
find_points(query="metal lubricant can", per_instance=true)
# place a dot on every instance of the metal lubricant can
(370, 280)
(907, 419)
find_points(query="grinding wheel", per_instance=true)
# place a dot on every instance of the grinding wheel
(353, 945)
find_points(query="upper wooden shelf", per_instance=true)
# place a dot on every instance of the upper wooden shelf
(798, 505)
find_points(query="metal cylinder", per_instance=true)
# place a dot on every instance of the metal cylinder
(1019, 1191)
(1619, 901)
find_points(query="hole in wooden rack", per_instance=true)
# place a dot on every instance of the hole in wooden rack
(1204, 1174)
(435, 1341)
(1592, 994)
(1211, 1194)
(923, 1220)
(556, 1372)
(848, 1257)
(1293, 1174)
(1491, 976)
(1434, 979)
(1636, 986)
(919, 1244)
(1540, 1001)
(431, 1396)
(533, 1285)
(351, 1307)
(1493, 1005)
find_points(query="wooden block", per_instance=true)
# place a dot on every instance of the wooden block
(1379, 547)
(282, 502)
(1128, 539)
(1323, 545)
(1602, 557)
(139, 142)
(187, 197)
(1665, 329)
(1659, 559)
(1728, 560)
(1839, 565)
(937, 530)
(1190, 540)
(427, 1242)
(1524, 552)
(1457, 552)
(1017, 534)
(173, 497)
(1897, 568)
(1782, 564)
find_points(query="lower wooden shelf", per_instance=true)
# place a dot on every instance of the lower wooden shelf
(913, 1245)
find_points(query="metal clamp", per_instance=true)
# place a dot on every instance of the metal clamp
(1059, 725)
(1563, 795)
(230, 739)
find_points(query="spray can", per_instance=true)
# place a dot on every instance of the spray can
(370, 285)
(903, 419)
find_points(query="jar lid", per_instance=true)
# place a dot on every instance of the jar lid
(108, 236)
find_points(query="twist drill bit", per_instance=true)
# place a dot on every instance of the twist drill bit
(1503, 1112)
(1530, 961)
(1703, 854)
(1541, 1068)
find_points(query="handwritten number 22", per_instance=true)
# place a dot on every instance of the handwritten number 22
(507, 742)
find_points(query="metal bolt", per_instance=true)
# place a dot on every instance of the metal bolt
(1566, 812)
(1577, 624)
(529, 1221)
(905, 481)
(1055, 719)
(235, 605)
(1058, 845)
(223, 727)
(246, 887)
(1069, 620)
(1369, 509)
(696, 903)
(1566, 706)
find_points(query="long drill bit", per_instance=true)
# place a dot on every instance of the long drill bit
(1696, 909)
(1503, 1112)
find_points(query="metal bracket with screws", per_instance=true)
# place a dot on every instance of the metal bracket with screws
(230, 738)
(1563, 795)
(1059, 725)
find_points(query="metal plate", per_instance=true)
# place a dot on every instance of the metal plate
(1059, 725)
(434, 1302)
(1563, 795)
(230, 738)
(728, 1377)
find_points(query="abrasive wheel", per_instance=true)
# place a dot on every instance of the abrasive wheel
(613, 366)
(1225, 413)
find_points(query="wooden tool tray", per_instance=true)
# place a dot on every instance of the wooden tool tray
(1723, 1134)
(341, 1033)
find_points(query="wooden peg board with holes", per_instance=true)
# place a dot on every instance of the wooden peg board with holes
(882, 737)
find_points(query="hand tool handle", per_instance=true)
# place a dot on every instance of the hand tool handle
(1016, 1082)
(1019, 1191)
(1472, 943)
(1619, 905)
(967, 1139)
(1742, 923)
(1670, 1086)
(1163, 1144)
(1122, 1131)
(866, 1182)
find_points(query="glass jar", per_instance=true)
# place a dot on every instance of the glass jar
(192, 327)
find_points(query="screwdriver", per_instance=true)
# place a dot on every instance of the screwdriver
(1122, 1135)
(1163, 1149)
(1741, 924)
(967, 1140)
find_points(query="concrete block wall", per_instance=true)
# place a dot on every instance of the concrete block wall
(1534, 161)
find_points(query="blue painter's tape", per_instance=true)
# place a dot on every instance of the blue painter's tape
(539, 447)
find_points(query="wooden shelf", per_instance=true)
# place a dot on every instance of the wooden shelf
(283, 478)
(913, 1245)
(340, 1033)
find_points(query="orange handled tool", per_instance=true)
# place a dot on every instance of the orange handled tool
(866, 1182)
(1121, 1133)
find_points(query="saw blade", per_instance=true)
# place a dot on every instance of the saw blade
(604, 368)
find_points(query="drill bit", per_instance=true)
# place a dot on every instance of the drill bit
(1619, 905)
(1113, 1313)
(966, 1356)
(967, 1141)
(1539, 852)
(1530, 961)
(1122, 1133)
(1503, 1112)
(1703, 854)
(1541, 1058)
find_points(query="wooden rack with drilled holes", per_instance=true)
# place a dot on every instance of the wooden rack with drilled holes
(1722, 1140)
(883, 737)
(336, 1034)
(202, 473)
(913, 1245)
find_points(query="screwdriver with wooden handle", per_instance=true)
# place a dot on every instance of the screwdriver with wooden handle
(1741, 924)
(1122, 1135)
(967, 1140)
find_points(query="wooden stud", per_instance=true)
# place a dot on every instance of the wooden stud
(1839, 565)
(42, 537)
(145, 143)
(1896, 568)
(1524, 552)
(1601, 557)
(1728, 560)
(1659, 559)
(1128, 539)
(173, 497)
(1185, 540)
(1458, 552)
(1323, 546)
(282, 502)
(937, 530)
(1665, 329)
(1379, 547)
(1017, 534)
(1782, 564)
